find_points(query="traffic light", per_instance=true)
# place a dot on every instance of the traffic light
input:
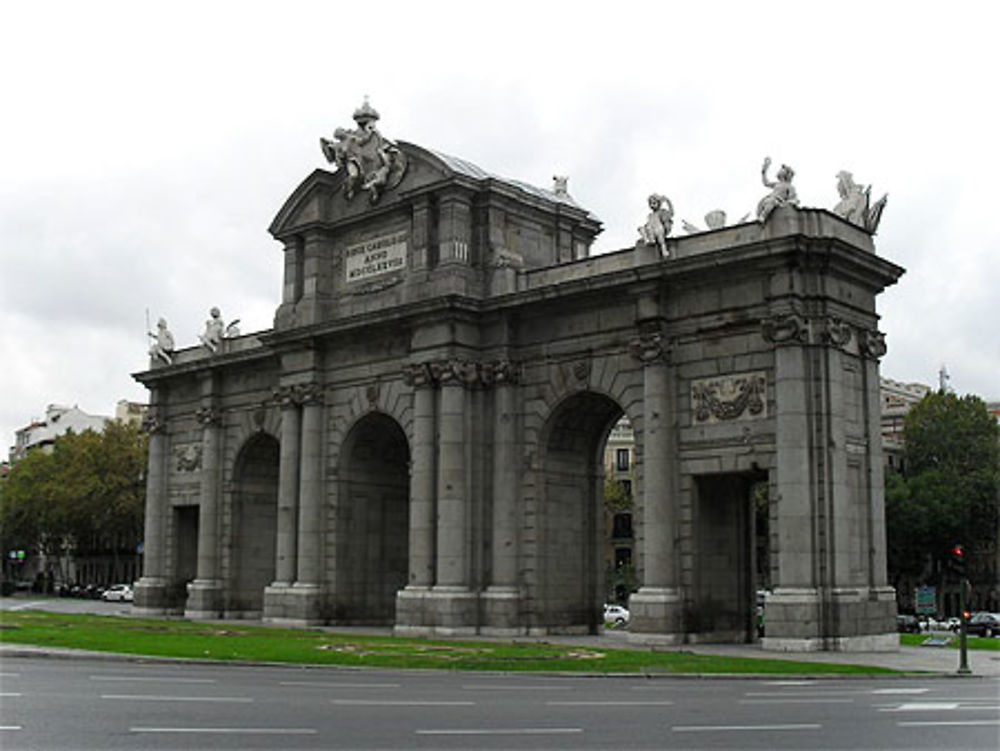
(957, 559)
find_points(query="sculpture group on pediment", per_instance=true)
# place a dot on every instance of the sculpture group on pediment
(715, 219)
(658, 224)
(855, 203)
(782, 191)
(370, 161)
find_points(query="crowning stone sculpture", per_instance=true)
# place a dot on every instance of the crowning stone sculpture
(715, 219)
(163, 343)
(855, 203)
(782, 192)
(216, 330)
(372, 162)
(658, 224)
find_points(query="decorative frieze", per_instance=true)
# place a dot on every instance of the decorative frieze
(465, 372)
(207, 416)
(297, 394)
(729, 397)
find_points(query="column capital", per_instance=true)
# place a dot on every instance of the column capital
(872, 344)
(153, 422)
(418, 375)
(785, 328)
(208, 416)
(651, 347)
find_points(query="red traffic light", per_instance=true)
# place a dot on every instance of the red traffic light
(958, 552)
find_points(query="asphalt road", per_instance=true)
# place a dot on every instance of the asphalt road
(51, 703)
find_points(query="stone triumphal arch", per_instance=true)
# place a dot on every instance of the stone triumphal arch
(417, 442)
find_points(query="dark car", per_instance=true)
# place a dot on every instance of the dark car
(907, 624)
(984, 624)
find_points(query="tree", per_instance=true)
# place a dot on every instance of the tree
(84, 497)
(948, 493)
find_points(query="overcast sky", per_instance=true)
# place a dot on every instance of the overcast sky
(145, 148)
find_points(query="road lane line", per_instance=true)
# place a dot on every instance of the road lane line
(947, 723)
(793, 700)
(227, 731)
(160, 697)
(151, 679)
(402, 703)
(884, 691)
(927, 706)
(319, 684)
(800, 694)
(10, 675)
(741, 728)
(501, 731)
(10, 727)
(609, 703)
(490, 687)
(10, 694)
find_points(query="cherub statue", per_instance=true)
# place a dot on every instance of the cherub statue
(163, 342)
(658, 224)
(855, 203)
(782, 192)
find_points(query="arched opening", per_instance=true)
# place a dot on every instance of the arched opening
(372, 521)
(255, 513)
(571, 515)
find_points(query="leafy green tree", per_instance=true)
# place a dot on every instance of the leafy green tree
(949, 491)
(86, 496)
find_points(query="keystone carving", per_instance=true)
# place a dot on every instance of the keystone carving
(649, 347)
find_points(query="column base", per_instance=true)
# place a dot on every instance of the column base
(441, 611)
(294, 605)
(502, 612)
(655, 616)
(204, 600)
(852, 619)
(153, 597)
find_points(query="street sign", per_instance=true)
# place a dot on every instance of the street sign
(926, 600)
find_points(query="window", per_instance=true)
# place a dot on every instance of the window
(623, 557)
(621, 525)
(621, 460)
(627, 487)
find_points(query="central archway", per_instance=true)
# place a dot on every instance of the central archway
(571, 514)
(372, 521)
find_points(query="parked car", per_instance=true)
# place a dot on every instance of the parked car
(984, 624)
(616, 615)
(117, 593)
(907, 624)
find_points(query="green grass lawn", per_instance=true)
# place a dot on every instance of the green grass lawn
(213, 641)
(972, 642)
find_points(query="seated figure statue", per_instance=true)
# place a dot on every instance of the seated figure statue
(658, 224)
(782, 192)
(163, 343)
(855, 203)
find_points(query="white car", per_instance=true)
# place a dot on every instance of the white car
(117, 593)
(616, 614)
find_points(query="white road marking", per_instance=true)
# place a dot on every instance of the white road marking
(231, 731)
(502, 731)
(900, 691)
(498, 687)
(741, 728)
(160, 697)
(151, 679)
(609, 703)
(789, 683)
(9, 694)
(318, 684)
(799, 694)
(947, 723)
(10, 727)
(10, 675)
(927, 706)
(401, 703)
(795, 700)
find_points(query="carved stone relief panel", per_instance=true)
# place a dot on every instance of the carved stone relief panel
(740, 396)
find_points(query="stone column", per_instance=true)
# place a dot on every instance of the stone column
(306, 590)
(205, 592)
(286, 540)
(151, 589)
(412, 609)
(655, 608)
(501, 599)
(455, 605)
